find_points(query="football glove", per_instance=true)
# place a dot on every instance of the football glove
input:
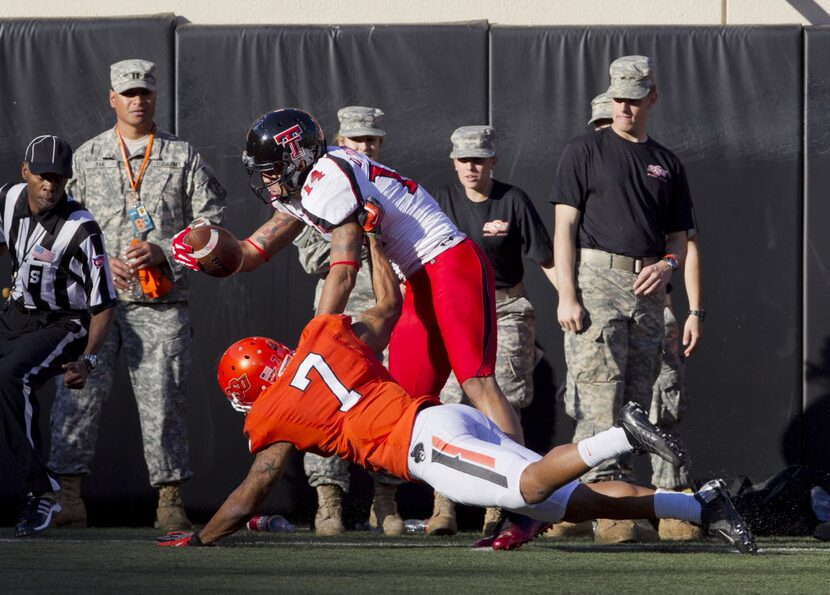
(181, 250)
(371, 216)
(180, 539)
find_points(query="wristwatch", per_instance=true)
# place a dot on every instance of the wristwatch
(671, 260)
(90, 359)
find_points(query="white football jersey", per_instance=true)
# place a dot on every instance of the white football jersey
(415, 229)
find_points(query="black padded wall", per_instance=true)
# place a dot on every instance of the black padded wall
(427, 79)
(729, 106)
(815, 428)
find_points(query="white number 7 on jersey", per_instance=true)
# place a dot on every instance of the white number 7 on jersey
(347, 398)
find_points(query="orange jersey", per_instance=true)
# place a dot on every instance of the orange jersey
(335, 398)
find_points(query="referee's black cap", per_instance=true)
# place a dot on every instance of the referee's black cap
(48, 154)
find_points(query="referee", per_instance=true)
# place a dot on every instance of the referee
(58, 311)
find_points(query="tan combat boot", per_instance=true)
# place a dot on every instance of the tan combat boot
(566, 529)
(676, 530)
(442, 521)
(329, 518)
(385, 510)
(73, 511)
(625, 531)
(170, 514)
(492, 516)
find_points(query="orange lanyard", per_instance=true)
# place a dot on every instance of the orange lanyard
(134, 182)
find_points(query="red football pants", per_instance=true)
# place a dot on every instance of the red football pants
(448, 322)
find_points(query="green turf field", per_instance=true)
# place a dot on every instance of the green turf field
(126, 560)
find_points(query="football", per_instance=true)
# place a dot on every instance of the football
(216, 249)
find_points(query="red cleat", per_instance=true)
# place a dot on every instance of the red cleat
(522, 530)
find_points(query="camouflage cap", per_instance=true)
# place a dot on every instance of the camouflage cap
(356, 120)
(473, 141)
(600, 108)
(133, 74)
(632, 77)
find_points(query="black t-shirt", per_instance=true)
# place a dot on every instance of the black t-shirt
(630, 194)
(506, 226)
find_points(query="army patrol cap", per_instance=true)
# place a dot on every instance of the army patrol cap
(133, 74)
(356, 120)
(632, 77)
(473, 141)
(600, 108)
(49, 154)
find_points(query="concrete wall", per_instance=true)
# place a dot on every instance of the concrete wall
(502, 12)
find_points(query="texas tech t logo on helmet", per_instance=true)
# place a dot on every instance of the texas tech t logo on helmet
(281, 148)
(292, 138)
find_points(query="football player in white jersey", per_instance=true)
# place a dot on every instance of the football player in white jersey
(448, 320)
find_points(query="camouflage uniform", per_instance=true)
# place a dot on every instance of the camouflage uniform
(314, 258)
(516, 355)
(668, 402)
(155, 334)
(616, 358)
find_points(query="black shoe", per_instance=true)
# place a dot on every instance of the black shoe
(719, 517)
(644, 436)
(36, 514)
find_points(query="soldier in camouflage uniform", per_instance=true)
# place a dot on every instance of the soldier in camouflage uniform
(503, 221)
(623, 212)
(165, 185)
(361, 129)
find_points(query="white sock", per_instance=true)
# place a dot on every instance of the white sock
(676, 505)
(603, 446)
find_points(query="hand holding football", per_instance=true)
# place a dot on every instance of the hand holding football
(215, 249)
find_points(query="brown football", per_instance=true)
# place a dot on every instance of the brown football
(216, 249)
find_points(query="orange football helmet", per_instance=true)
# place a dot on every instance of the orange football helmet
(248, 367)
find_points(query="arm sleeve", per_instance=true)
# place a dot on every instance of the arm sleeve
(536, 241)
(100, 293)
(570, 184)
(680, 215)
(335, 194)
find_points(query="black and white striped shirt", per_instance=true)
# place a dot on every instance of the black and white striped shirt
(58, 256)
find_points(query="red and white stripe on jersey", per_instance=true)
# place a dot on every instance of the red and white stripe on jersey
(415, 229)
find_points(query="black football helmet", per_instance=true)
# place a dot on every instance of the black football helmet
(284, 143)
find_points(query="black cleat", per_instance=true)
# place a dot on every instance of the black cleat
(36, 514)
(719, 517)
(644, 436)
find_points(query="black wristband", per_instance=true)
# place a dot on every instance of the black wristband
(699, 313)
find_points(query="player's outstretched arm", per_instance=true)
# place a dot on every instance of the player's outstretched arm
(374, 326)
(277, 233)
(245, 500)
(346, 243)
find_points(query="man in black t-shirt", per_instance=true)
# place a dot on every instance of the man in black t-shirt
(623, 212)
(502, 220)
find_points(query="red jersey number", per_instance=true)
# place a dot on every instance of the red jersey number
(313, 177)
(348, 398)
(376, 172)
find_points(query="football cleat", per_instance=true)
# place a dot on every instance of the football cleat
(522, 529)
(36, 514)
(720, 517)
(644, 436)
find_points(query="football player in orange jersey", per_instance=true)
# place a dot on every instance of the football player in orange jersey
(332, 396)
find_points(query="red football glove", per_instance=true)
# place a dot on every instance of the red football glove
(371, 216)
(180, 539)
(181, 251)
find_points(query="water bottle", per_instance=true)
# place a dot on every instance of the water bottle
(820, 501)
(273, 523)
(415, 526)
(134, 291)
